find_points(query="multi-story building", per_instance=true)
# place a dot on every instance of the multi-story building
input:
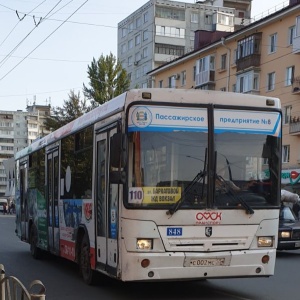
(261, 58)
(162, 30)
(18, 129)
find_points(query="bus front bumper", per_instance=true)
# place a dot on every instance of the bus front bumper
(192, 266)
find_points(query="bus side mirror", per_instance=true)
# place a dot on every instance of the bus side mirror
(266, 153)
(118, 150)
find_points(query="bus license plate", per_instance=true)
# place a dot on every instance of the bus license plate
(297, 244)
(207, 262)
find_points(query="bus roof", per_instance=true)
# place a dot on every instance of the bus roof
(157, 94)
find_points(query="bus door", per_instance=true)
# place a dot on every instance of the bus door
(106, 207)
(52, 200)
(23, 214)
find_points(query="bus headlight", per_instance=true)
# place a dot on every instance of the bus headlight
(285, 234)
(265, 241)
(144, 244)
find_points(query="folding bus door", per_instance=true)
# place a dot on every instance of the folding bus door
(52, 196)
(106, 207)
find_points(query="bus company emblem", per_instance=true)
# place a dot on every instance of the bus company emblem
(141, 116)
(208, 218)
(208, 231)
(88, 211)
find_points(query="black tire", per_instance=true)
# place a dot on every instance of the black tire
(35, 251)
(86, 271)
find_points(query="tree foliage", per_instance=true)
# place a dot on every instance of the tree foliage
(72, 108)
(107, 78)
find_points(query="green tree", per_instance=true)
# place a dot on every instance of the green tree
(107, 80)
(72, 108)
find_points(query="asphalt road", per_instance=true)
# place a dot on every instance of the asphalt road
(62, 280)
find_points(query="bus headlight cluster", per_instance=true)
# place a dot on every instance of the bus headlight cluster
(285, 234)
(144, 244)
(265, 241)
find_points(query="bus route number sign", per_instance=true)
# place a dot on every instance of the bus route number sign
(174, 231)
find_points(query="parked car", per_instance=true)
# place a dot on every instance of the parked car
(289, 229)
(2, 202)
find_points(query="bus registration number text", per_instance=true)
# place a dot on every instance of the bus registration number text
(207, 262)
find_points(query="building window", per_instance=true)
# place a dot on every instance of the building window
(194, 73)
(137, 73)
(223, 89)
(145, 52)
(291, 35)
(297, 33)
(170, 13)
(285, 153)
(130, 27)
(225, 19)
(224, 62)
(248, 46)
(144, 69)
(234, 88)
(289, 75)
(247, 82)
(137, 40)
(271, 81)
(137, 57)
(130, 44)
(160, 84)
(204, 69)
(287, 113)
(146, 17)
(208, 19)
(145, 35)
(194, 18)
(172, 82)
(169, 49)
(273, 43)
(170, 31)
(183, 78)
(138, 22)
(123, 48)
(124, 32)
(130, 61)
(144, 85)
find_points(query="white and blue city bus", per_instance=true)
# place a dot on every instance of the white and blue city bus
(158, 184)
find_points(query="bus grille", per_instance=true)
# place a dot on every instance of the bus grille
(296, 235)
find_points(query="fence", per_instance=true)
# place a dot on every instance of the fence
(12, 289)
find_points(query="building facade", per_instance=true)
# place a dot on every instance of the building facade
(18, 129)
(261, 58)
(162, 30)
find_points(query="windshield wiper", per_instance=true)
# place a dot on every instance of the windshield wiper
(177, 205)
(236, 197)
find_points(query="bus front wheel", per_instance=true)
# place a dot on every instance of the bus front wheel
(85, 262)
(34, 250)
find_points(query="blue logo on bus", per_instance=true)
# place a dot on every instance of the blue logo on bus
(141, 117)
(174, 231)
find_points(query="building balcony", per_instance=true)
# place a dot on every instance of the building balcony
(296, 45)
(295, 125)
(205, 77)
(252, 60)
(296, 85)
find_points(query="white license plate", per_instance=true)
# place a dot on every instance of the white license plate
(208, 262)
(297, 244)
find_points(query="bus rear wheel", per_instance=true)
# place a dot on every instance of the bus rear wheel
(34, 249)
(85, 262)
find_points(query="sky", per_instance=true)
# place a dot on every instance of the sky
(47, 45)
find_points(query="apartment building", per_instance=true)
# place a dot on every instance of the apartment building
(162, 30)
(18, 129)
(261, 58)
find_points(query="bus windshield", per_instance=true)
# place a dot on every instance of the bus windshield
(168, 167)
